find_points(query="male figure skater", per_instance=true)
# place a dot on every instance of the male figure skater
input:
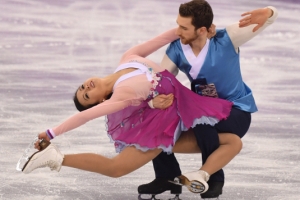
(212, 65)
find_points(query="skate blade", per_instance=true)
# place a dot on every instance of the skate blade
(29, 152)
(180, 180)
(193, 186)
(150, 198)
(153, 197)
(176, 183)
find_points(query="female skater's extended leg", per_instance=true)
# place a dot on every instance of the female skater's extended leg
(127, 161)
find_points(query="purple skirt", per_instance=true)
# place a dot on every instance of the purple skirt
(147, 128)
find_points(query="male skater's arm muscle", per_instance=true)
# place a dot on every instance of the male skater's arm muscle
(251, 25)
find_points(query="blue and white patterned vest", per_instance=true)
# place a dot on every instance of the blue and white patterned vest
(221, 67)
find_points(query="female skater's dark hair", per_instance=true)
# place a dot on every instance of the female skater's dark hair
(81, 107)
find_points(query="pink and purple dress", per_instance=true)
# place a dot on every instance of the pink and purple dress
(131, 122)
(147, 128)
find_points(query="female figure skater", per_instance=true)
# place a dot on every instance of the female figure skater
(139, 132)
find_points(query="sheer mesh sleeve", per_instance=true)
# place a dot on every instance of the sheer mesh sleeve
(150, 46)
(121, 98)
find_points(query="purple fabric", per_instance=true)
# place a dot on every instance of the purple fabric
(148, 128)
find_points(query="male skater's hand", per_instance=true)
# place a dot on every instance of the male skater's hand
(163, 101)
(211, 31)
(41, 136)
(258, 16)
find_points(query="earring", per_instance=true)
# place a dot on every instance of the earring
(103, 100)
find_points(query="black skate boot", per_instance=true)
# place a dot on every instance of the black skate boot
(158, 186)
(214, 190)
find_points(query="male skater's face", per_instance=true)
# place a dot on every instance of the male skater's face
(186, 31)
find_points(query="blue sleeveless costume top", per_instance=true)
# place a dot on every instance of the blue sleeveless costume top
(221, 67)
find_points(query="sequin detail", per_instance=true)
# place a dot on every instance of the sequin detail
(156, 77)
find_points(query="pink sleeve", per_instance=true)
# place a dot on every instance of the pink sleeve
(150, 46)
(122, 98)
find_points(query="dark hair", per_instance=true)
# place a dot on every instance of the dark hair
(200, 11)
(81, 107)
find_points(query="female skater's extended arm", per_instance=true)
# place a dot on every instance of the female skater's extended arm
(121, 99)
(150, 46)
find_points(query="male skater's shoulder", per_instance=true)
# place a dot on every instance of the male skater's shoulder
(174, 51)
(221, 39)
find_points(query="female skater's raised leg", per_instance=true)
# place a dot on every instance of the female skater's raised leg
(129, 160)
(125, 162)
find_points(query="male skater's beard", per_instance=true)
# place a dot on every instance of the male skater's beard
(190, 40)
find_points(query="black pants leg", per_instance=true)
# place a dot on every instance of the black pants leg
(238, 122)
(166, 166)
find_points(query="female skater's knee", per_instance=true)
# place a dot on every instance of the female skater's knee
(116, 173)
(237, 144)
(113, 169)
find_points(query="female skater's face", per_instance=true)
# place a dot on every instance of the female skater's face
(91, 92)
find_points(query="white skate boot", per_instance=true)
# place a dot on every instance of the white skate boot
(195, 181)
(49, 157)
(29, 151)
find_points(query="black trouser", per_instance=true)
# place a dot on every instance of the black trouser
(238, 122)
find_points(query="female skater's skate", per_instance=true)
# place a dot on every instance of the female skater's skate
(27, 162)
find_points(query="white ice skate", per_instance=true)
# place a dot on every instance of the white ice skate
(48, 156)
(29, 151)
(195, 181)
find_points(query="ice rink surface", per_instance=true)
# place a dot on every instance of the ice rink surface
(49, 47)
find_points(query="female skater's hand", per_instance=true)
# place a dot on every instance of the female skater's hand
(163, 101)
(41, 136)
(211, 31)
(258, 16)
